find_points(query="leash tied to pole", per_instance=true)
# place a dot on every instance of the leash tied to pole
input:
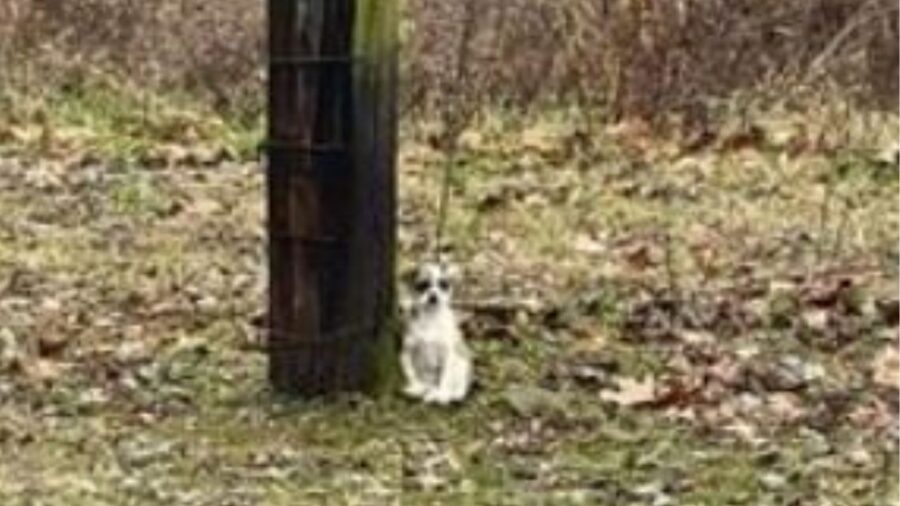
(455, 120)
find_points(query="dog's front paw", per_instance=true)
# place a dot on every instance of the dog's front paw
(438, 397)
(415, 390)
(457, 396)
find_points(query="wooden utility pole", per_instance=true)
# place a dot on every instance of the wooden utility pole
(331, 194)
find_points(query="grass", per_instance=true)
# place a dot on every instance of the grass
(150, 277)
(120, 124)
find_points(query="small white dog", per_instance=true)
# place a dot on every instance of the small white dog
(434, 358)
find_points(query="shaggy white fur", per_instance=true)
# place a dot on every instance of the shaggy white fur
(434, 357)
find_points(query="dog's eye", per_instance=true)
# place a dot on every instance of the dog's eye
(421, 286)
(444, 285)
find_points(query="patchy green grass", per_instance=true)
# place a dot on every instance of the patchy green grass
(120, 124)
(650, 326)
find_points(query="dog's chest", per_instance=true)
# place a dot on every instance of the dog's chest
(428, 359)
(428, 344)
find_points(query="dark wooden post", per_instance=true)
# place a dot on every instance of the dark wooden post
(330, 189)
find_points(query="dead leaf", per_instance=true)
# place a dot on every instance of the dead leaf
(874, 416)
(704, 255)
(727, 371)
(12, 353)
(635, 135)
(741, 138)
(52, 343)
(201, 155)
(787, 374)
(743, 430)
(785, 406)
(696, 337)
(889, 309)
(860, 457)
(544, 139)
(827, 293)
(631, 392)
(43, 371)
(163, 155)
(889, 155)
(472, 140)
(679, 391)
(528, 402)
(886, 368)
(641, 256)
(203, 207)
(816, 319)
(587, 245)
(773, 481)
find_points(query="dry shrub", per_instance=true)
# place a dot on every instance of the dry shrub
(211, 48)
(643, 57)
(625, 57)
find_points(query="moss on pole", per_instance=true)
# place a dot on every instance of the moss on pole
(375, 144)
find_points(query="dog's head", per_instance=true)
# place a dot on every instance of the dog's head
(432, 285)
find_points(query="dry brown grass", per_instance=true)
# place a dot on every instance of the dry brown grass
(212, 49)
(130, 292)
(640, 58)
(627, 57)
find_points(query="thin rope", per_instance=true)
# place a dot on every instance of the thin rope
(444, 201)
(454, 124)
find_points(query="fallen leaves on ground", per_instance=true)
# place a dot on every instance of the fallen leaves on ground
(632, 392)
(647, 328)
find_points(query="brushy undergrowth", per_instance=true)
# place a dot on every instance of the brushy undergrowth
(630, 57)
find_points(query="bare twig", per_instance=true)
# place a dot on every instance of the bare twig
(455, 119)
(862, 16)
(824, 217)
(837, 245)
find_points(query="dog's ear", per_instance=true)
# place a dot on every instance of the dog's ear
(452, 271)
(450, 268)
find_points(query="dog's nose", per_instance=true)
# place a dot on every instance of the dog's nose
(432, 299)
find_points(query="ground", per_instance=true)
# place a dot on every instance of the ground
(653, 323)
